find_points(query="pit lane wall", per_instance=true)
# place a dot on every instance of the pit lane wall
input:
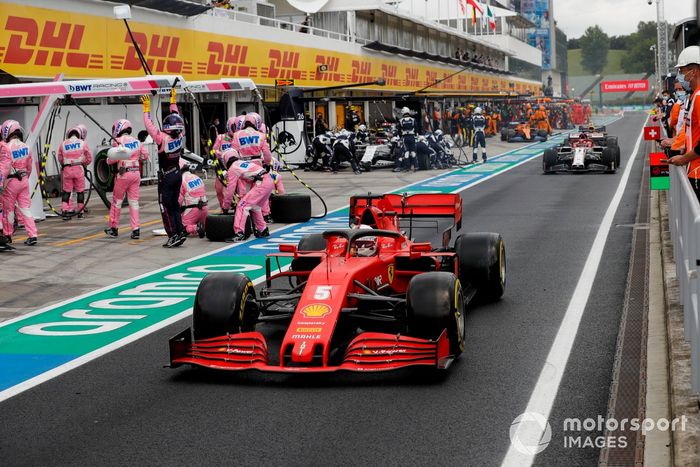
(82, 40)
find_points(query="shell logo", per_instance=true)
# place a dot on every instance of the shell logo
(316, 310)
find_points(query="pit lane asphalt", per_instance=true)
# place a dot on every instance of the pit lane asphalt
(125, 409)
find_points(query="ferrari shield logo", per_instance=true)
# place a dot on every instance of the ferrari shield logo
(390, 273)
(316, 310)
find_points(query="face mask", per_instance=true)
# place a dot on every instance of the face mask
(681, 95)
(683, 81)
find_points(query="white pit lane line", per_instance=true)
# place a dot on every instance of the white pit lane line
(529, 436)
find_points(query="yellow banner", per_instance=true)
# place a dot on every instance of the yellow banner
(39, 42)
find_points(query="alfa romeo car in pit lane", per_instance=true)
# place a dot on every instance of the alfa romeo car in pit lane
(366, 298)
(592, 150)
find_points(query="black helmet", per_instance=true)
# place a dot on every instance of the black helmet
(173, 124)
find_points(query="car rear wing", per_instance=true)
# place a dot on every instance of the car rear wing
(405, 206)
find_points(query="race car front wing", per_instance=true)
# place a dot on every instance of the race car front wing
(368, 352)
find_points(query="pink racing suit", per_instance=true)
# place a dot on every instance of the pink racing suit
(261, 186)
(17, 188)
(73, 155)
(193, 200)
(223, 143)
(5, 164)
(279, 186)
(252, 145)
(127, 181)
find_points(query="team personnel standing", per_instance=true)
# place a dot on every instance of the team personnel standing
(689, 72)
(260, 186)
(223, 143)
(128, 180)
(250, 143)
(16, 172)
(5, 162)
(171, 144)
(478, 125)
(74, 156)
(193, 200)
(407, 131)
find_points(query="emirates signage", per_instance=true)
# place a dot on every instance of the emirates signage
(625, 86)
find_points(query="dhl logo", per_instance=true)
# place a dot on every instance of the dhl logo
(226, 60)
(160, 52)
(389, 73)
(284, 65)
(47, 43)
(333, 65)
(430, 77)
(412, 78)
(361, 71)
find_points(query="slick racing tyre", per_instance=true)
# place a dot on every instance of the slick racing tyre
(481, 258)
(542, 133)
(610, 157)
(219, 227)
(104, 172)
(549, 160)
(435, 303)
(504, 134)
(290, 208)
(309, 242)
(224, 304)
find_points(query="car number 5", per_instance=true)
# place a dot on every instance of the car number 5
(323, 292)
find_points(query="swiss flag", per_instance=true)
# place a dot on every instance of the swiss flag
(652, 133)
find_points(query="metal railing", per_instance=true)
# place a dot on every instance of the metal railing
(283, 25)
(684, 223)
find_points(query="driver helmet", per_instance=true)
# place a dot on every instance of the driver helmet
(173, 125)
(478, 111)
(405, 111)
(591, 128)
(438, 132)
(366, 246)
(362, 128)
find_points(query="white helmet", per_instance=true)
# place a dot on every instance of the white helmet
(438, 132)
(362, 128)
(688, 56)
(478, 111)
(366, 246)
(405, 111)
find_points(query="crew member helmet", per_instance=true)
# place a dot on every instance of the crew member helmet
(120, 127)
(12, 128)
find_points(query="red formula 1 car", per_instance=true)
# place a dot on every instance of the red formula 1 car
(366, 298)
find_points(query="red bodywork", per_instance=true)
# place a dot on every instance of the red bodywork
(339, 284)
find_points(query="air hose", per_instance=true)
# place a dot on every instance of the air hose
(287, 166)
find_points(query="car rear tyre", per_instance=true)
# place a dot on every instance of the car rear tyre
(481, 258)
(549, 160)
(290, 208)
(434, 303)
(224, 304)
(103, 172)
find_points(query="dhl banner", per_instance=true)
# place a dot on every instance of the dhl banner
(39, 43)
